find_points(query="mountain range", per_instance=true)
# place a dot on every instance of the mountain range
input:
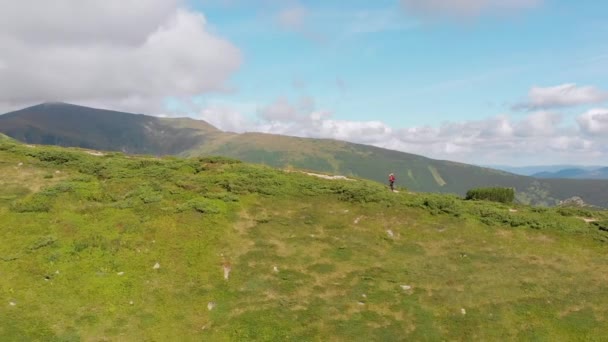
(575, 173)
(77, 126)
(554, 171)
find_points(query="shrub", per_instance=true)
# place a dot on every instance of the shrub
(501, 195)
(573, 211)
(89, 167)
(218, 160)
(202, 205)
(33, 204)
(223, 196)
(354, 192)
(57, 189)
(601, 225)
(438, 204)
(55, 157)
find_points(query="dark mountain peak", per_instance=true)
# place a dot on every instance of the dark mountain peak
(64, 124)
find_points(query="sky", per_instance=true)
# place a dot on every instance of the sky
(488, 82)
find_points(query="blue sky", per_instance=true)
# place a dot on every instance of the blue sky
(409, 69)
(479, 81)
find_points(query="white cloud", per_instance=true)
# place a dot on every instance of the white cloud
(538, 124)
(565, 95)
(539, 137)
(465, 8)
(110, 53)
(293, 18)
(83, 22)
(226, 118)
(594, 122)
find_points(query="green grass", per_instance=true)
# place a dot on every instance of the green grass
(77, 126)
(310, 259)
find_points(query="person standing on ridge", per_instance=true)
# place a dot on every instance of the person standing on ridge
(391, 181)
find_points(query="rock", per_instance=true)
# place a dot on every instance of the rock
(156, 266)
(210, 306)
(57, 172)
(227, 270)
(275, 269)
(463, 311)
(573, 202)
(12, 303)
(131, 303)
(57, 272)
(364, 295)
(406, 287)
(358, 220)
(361, 303)
(513, 210)
(122, 273)
(20, 164)
(390, 233)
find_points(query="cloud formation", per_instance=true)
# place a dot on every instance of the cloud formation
(594, 122)
(118, 54)
(565, 95)
(539, 137)
(293, 18)
(464, 8)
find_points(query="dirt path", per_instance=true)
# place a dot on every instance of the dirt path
(319, 175)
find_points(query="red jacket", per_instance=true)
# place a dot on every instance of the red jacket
(391, 178)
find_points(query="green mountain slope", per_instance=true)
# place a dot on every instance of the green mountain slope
(115, 247)
(5, 138)
(68, 125)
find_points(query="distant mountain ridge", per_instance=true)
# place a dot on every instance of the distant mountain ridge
(538, 169)
(600, 173)
(76, 126)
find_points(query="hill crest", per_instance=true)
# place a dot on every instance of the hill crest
(71, 125)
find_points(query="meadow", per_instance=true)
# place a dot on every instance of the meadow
(110, 247)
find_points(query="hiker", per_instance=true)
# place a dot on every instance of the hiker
(391, 181)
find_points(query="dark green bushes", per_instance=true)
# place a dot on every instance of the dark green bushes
(201, 205)
(501, 195)
(355, 192)
(443, 204)
(36, 203)
(57, 157)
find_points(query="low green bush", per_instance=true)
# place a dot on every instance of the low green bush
(501, 195)
(57, 157)
(35, 203)
(201, 205)
(443, 204)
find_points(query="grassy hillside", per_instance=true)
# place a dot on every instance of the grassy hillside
(414, 172)
(115, 247)
(68, 125)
